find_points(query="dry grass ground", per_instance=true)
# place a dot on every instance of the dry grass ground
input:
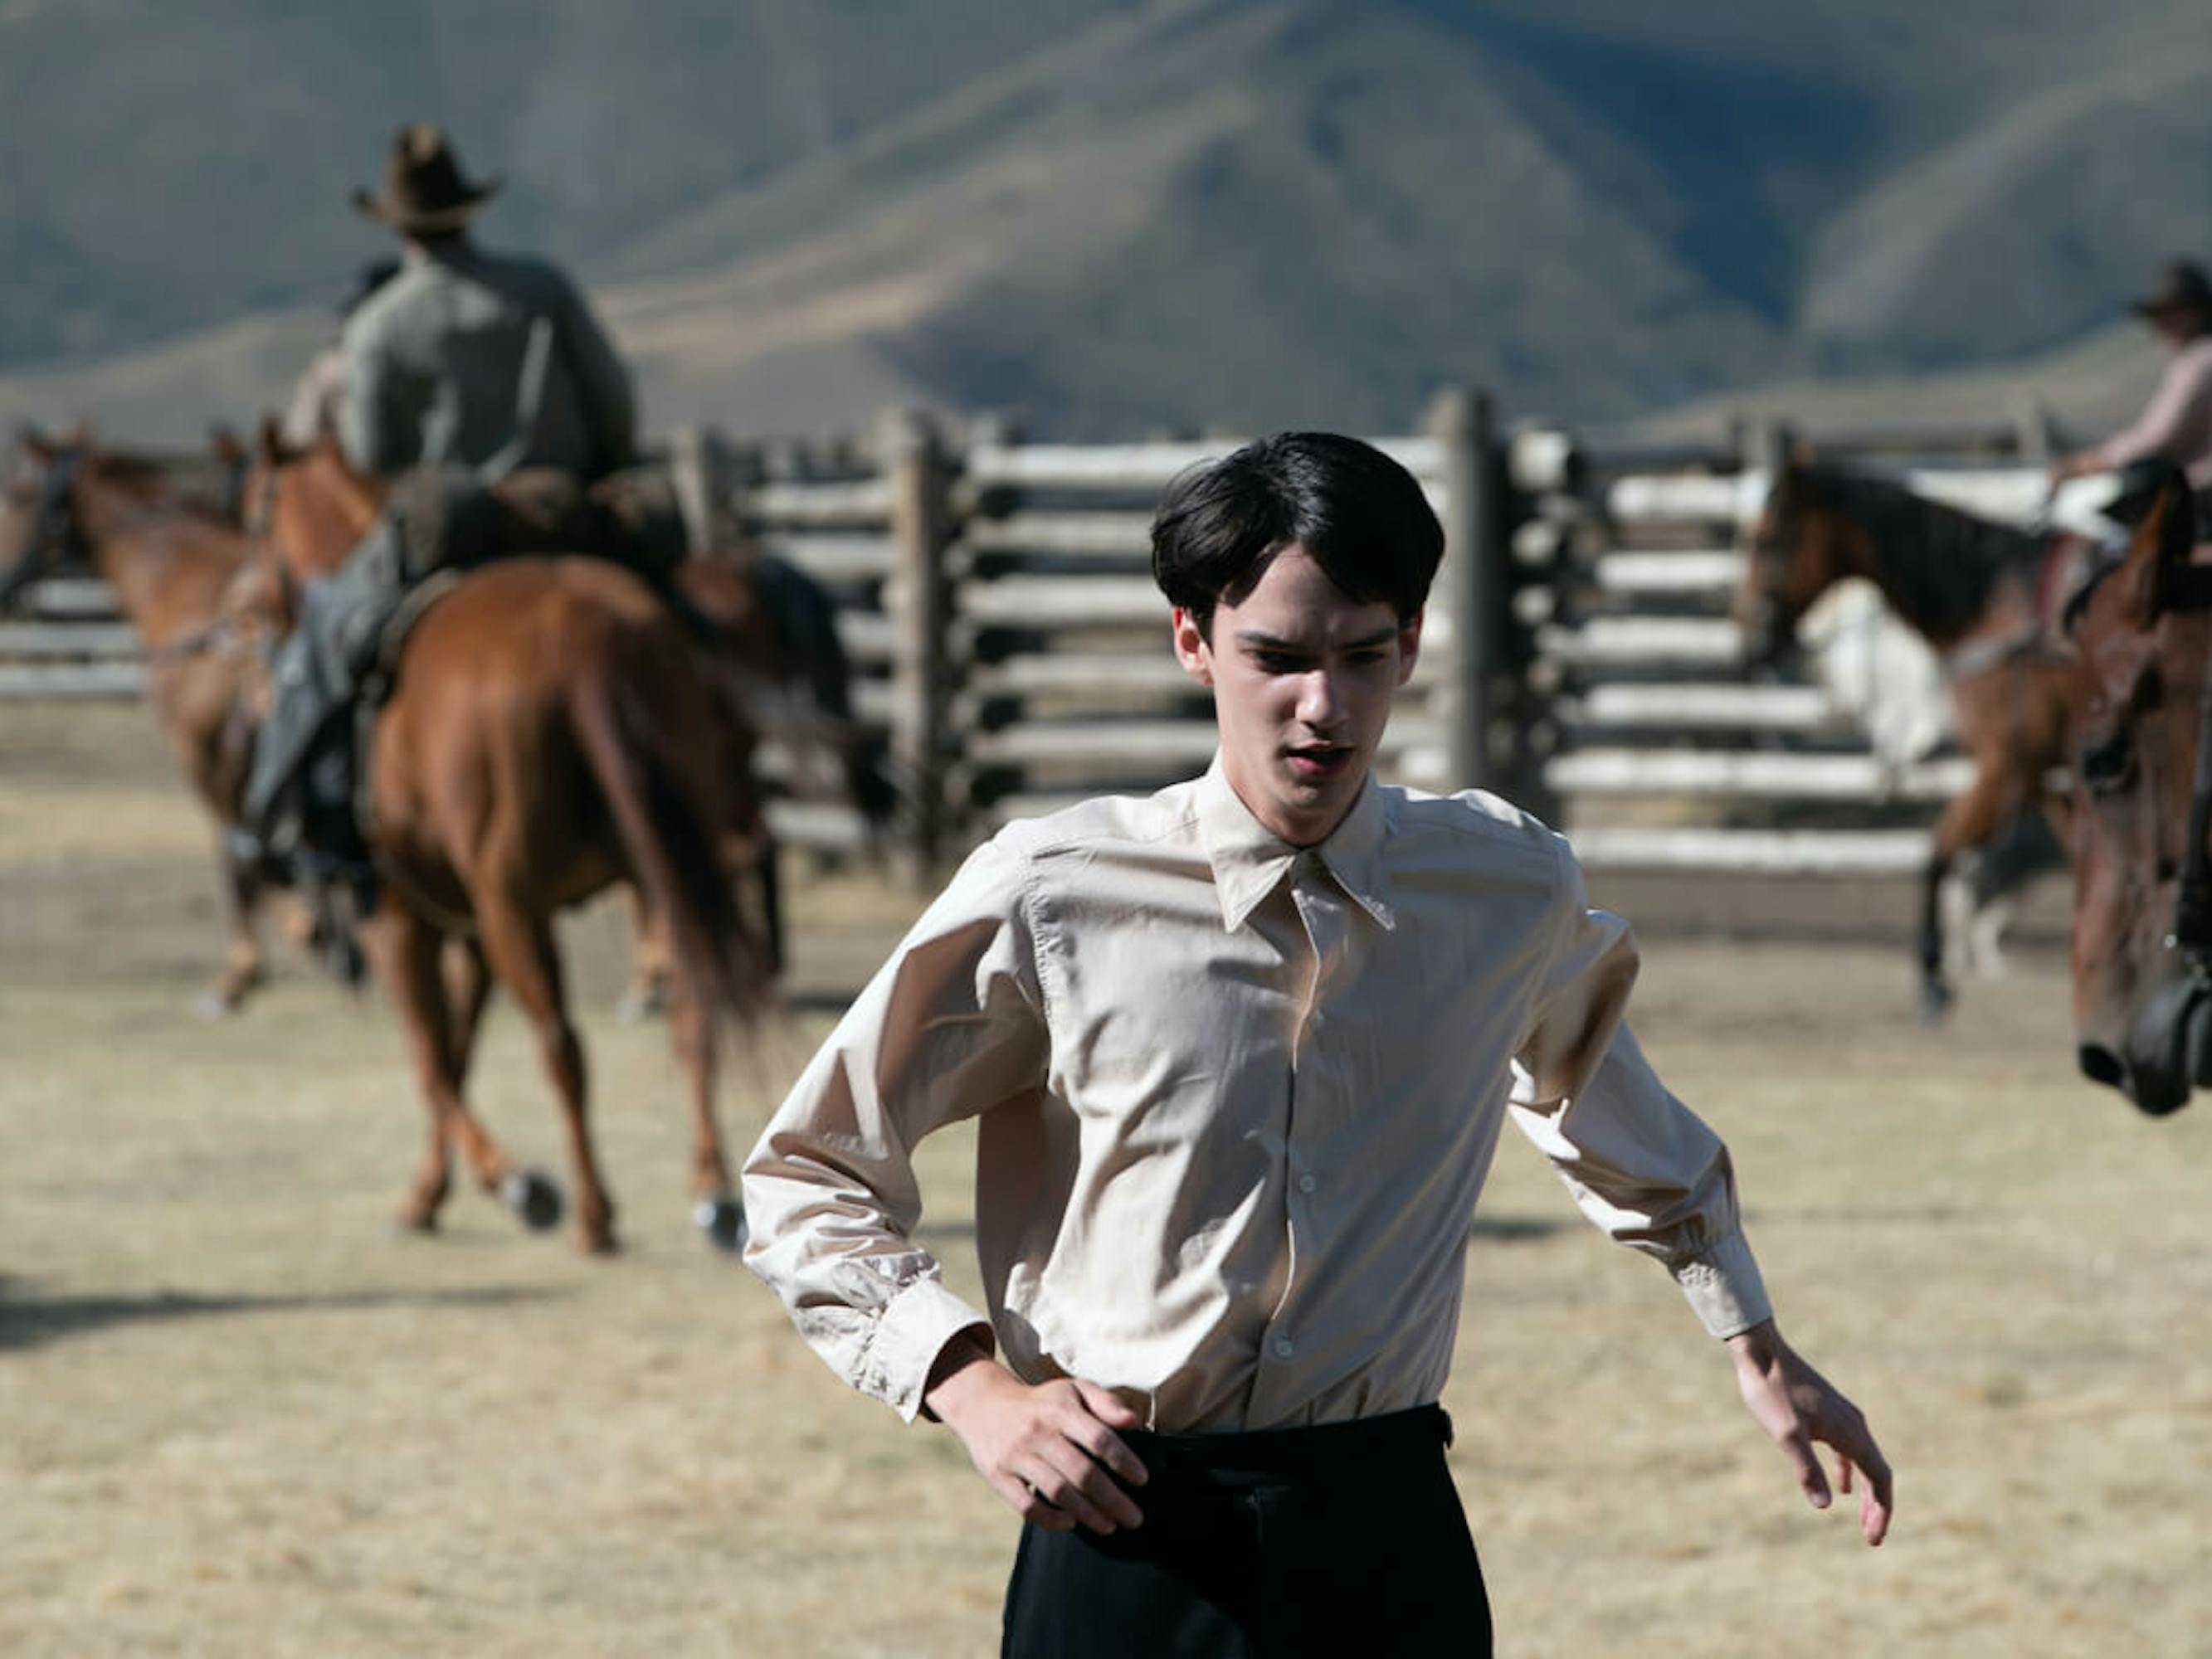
(238, 1415)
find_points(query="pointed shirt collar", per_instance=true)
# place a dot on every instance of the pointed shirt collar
(1249, 861)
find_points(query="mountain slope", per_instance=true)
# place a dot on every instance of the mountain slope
(1111, 217)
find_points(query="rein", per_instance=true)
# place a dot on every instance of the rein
(259, 516)
(2192, 901)
(54, 535)
(224, 636)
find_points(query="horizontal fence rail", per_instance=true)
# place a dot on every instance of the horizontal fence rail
(995, 599)
(1666, 751)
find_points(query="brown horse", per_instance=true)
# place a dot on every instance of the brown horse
(780, 668)
(547, 734)
(2143, 862)
(1973, 589)
(168, 559)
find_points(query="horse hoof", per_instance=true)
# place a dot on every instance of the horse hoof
(722, 1218)
(1935, 1002)
(534, 1199)
(212, 1005)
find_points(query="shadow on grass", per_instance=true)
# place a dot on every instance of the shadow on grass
(27, 1321)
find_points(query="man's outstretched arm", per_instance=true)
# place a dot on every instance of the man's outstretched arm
(1799, 1407)
(1645, 1167)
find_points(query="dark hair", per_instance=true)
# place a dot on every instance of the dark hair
(1358, 512)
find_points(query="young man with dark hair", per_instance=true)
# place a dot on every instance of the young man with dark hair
(1241, 1051)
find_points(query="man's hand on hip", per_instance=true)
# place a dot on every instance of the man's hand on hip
(1797, 1406)
(1046, 1450)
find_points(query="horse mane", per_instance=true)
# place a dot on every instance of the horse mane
(1942, 564)
(154, 484)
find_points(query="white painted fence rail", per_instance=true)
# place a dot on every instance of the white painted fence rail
(995, 602)
(1756, 851)
(1778, 776)
(2009, 495)
(1627, 621)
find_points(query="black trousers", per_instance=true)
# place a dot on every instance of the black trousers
(1342, 1540)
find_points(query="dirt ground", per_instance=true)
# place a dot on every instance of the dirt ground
(239, 1415)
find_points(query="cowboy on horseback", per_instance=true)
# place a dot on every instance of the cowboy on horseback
(466, 373)
(2175, 425)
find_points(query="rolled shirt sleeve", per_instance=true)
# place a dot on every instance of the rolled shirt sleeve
(950, 1026)
(1640, 1164)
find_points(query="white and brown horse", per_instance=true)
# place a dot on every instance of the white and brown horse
(1981, 594)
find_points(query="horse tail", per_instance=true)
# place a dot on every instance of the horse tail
(806, 617)
(669, 842)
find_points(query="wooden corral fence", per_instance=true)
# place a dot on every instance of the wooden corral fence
(998, 595)
(1654, 741)
(995, 597)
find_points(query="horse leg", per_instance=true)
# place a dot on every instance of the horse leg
(466, 980)
(716, 1208)
(520, 947)
(2058, 810)
(1935, 987)
(468, 987)
(405, 950)
(648, 995)
(1968, 821)
(768, 868)
(244, 971)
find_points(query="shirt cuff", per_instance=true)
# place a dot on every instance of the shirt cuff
(1724, 1288)
(912, 1330)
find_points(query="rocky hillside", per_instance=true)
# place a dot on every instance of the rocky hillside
(1116, 216)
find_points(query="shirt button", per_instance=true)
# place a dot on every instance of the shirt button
(1284, 1347)
(1307, 1183)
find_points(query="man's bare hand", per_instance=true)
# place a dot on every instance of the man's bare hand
(1797, 1406)
(1046, 1450)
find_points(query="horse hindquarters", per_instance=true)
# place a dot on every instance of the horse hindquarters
(654, 758)
(548, 734)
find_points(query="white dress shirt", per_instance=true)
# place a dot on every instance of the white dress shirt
(1237, 1102)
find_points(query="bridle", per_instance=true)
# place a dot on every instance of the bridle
(2187, 588)
(258, 517)
(55, 539)
(2190, 589)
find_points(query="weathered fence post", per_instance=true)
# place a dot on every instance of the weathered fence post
(699, 466)
(920, 474)
(1474, 576)
(1766, 446)
(2034, 438)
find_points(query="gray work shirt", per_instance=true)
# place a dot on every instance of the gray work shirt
(485, 360)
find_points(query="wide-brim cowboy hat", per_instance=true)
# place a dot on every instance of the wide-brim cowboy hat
(2182, 286)
(424, 188)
